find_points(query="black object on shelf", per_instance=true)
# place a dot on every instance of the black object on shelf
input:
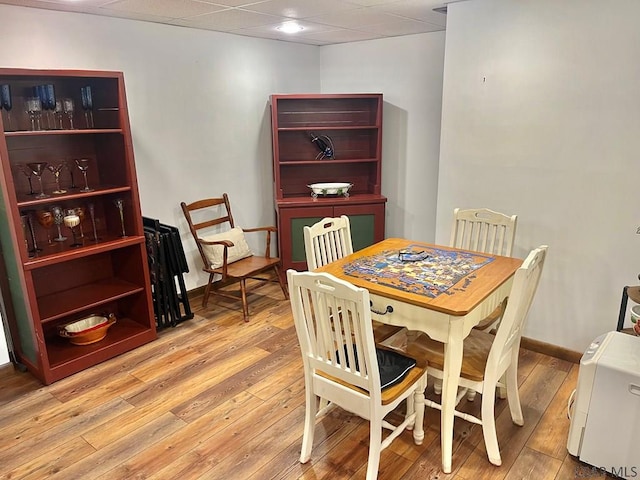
(167, 264)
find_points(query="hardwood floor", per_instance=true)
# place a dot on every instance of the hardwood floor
(218, 398)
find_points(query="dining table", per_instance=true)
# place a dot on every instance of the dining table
(440, 291)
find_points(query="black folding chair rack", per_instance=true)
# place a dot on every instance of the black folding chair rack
(167, 264)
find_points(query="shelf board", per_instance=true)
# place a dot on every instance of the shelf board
(324, 128)
(71, 253)
(85, 297)
(298, 163)
(123, 336)
(25, 201)
(309, 201)
(44, 133)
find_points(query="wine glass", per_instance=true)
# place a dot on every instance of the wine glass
(33, 108)
(119, 203)
(45, 218)
(81, 213)
(34, 243)
(67, 108)
(70, 169)
(71, 221)
(58, 219)
(40, 91)
(5, 102)
(58, 112)
(83, 166)
(38, 169)
(92, 213)
(23, 221)
(55, 170)
(87, 105)
(50, 101)
(27, 172)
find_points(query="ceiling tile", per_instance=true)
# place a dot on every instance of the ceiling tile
(401, 27)
(354, 18)
(165, 8)
(323, 20)
(232, 19)
(301, 8)
(416, 9)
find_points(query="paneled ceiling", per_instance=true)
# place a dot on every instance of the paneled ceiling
(323, 22)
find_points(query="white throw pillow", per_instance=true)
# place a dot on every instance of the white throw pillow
(239, 250)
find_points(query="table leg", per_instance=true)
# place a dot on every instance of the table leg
(451, 375)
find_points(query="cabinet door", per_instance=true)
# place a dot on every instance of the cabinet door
(367, 223)
(291, 238)
(367, 227)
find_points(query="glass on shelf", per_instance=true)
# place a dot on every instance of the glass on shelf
(50, 102)
(87, 105)
(68, 108)
(92, 214)
(83, 166)
(71, 221)
(70, 168)
(45, 218)
(34, 244)
(38, 168)
(58, 112)
(27, 172)
(6, 104)
(55, 170)
(119, 203)
(58, 219)
(33, 107)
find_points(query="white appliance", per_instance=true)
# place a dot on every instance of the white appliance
(605, 419)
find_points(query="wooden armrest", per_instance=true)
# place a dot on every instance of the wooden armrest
(634, 293)
(269, 228)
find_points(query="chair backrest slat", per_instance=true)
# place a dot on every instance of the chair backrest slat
(327, 241)
(334, 328)
(483, 230)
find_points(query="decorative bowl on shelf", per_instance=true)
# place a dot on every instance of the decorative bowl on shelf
(87, 330)
(335, 188)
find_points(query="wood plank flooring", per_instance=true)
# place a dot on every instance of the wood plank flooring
(218, 398)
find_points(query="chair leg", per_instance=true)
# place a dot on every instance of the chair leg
(245, 305)
(375, 442)
(489, 423)
(309, 424)
(513, 397)
(437, 386)
(418, 406)
(281, 281)
(207, 291)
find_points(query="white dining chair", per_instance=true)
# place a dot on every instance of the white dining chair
(327, 241)
(483, 230)
(490, 361)
(343, 365)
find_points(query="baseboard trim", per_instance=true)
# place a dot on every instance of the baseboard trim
(551, 350)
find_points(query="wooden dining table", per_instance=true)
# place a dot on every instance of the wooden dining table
(441, 291)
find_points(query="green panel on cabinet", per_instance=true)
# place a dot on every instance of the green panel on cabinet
(362, 231)
(16, 296)
(297, 237)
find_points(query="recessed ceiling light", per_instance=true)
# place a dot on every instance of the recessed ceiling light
(290, 27)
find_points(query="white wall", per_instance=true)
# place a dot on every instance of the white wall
(540, 118)
(408, 72)
(198, 103)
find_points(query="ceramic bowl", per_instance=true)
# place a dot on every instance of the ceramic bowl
(635, 313)
(336, 188)
(87, 330)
